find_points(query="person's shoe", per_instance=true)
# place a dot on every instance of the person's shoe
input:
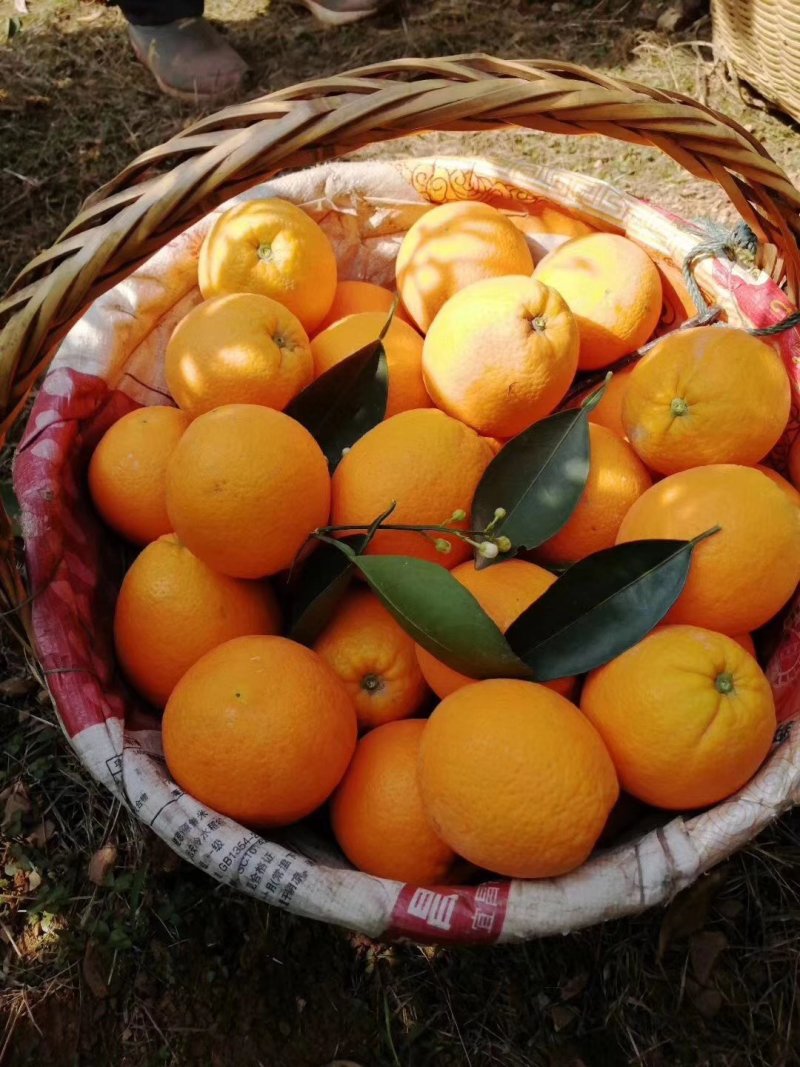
(341, 12)
(189, 59)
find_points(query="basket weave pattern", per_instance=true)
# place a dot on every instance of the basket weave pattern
(761, 41)
(155, 199)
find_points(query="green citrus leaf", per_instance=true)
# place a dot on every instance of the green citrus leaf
(344, 402)
(317, 586)
(441, 615)
(600, 607)
(538, 478)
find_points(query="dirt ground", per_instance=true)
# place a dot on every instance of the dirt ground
(161, 967)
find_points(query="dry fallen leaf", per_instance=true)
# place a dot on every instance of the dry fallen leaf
(689, 910)
(102, 864)
(16, 687)
(574, 986)
(708, 1002)
(16, 800)
(94, 970)
(41, 834)
(704, 951)
(562, 1016)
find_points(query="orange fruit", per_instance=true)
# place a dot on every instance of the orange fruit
(687, 716)
(746, 641)
(713, 394)
(375, 659)
(743, 575)
(239, 349)
(608, 412)
(403, 347)
(172, 608)
(429, 464)
(504, 591)
(786, 487)
(377, 813)
(501, 354)
(245, 488)
(515, 779)
(617, 478)
(273, 248)
(450, 247)
(352, 297)
(260, 730)
(127, 471)
(548, 226)
(794, 462)
(612, 288)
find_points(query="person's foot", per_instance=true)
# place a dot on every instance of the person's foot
(341, 12)
(189, 59)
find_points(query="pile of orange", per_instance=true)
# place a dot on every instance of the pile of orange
(497, 316)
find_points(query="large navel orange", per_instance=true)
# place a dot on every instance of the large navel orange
(608, 412)
(450, 247)
(547, 226)
(128, 471)
(272, 247)
(377, 813)
(425, 461)
(613, 289)
(504, 591)
(686, 714)
(375, 659)
(515, 779)
(172, 608)
(617, 478)
(260, 730)
(245, 488)
(403, 347)
(785, 486)
(353, 297)
(501, 354)
(713, 394)
(239, 349)
(740, 577)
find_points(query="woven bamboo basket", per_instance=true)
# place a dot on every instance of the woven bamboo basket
(72, 295)
(760, 39)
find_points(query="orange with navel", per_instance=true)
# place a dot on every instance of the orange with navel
(403, 347)
(245, 488)
(426, 462)
(450, 247)
(271, 247)
(375, 659)
(515, 779)
(377, 814)
(612, 288)
(501, 354)
(687, 715)
(713, 394)
(261, 730)
(172, 608)
(128, 471)
(238, 349)
(742, 575)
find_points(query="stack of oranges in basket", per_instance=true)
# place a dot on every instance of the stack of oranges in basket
(418, 557)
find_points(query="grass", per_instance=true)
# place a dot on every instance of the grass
(158, 965)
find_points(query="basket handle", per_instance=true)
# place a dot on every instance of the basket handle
(168, 187)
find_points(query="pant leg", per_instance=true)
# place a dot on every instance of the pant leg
(159, 12)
